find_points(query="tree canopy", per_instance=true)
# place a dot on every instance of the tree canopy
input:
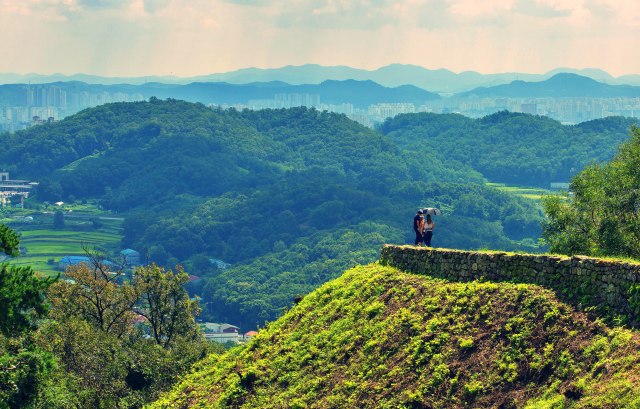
(601, 216)
(512, 148)
(9, 241)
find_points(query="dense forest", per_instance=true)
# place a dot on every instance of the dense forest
(293, 197)
(509, 147)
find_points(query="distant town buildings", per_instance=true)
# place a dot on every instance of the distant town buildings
(10, 189)
(23, 106)
(285, 101)
(566, 110)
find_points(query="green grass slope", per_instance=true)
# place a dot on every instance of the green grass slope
(377, 337)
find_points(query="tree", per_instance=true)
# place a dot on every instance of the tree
(95, 360)
(111, 361)
(165, 303)
(21, 291)
(49, 190)
(602, 217)
(94, 336)
(21, 297)
(158, 254)
(30, 377)
(95, 296)
(9, 241)
(24, 370)
(58, 220)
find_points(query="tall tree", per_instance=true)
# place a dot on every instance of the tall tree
(9, 241)
(95, 296)
(58, 220)
(602, 215)
(24, 370)
(112, 362)
(165, 303)
(22, 298)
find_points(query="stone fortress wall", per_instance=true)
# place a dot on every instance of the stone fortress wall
(611, 288)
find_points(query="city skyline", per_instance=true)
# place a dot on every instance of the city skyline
(197, 37)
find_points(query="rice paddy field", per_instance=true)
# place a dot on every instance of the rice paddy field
(531, 193)
(45, 246)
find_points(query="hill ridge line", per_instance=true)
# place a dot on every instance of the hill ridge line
(609, 288)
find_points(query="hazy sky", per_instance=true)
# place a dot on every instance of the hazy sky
(193, 37)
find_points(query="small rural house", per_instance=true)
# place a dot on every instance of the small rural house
(130, 257)
(219, 263)
(250, 335)
(67, 261)
(221, 332)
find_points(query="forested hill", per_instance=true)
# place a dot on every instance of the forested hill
(513, 148)
(378, 337)
(290, 197)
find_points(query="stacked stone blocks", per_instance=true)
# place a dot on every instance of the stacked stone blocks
(610, 287)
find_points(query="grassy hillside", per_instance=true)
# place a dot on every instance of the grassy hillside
(377, 337)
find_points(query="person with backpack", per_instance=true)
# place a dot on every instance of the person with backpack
(418, 226)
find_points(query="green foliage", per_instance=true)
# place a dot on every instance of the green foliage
(376, 337)
(25, 369)
(23, 372)
(21, 291)
(22, 298)
(512, 148)
(260, 290)
(92, 292)
(108, 361)
(9, 241)
(101, 370)
(58, 220)
(165, 304)
(601, 216)
(247, 187)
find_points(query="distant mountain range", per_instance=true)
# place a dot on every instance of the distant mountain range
(440, 80)
(360, 94)
(560, 85)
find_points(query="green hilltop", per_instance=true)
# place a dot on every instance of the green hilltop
(378, 337)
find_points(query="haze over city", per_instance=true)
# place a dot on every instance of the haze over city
(197, 37)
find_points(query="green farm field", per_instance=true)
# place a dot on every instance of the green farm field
(531, 193)
(44, 244)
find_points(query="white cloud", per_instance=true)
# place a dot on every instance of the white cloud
(189, 37)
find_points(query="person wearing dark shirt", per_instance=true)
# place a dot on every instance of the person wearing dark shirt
(418, 226)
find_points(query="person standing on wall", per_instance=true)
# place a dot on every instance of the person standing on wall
(429, 225)
(418, 226)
